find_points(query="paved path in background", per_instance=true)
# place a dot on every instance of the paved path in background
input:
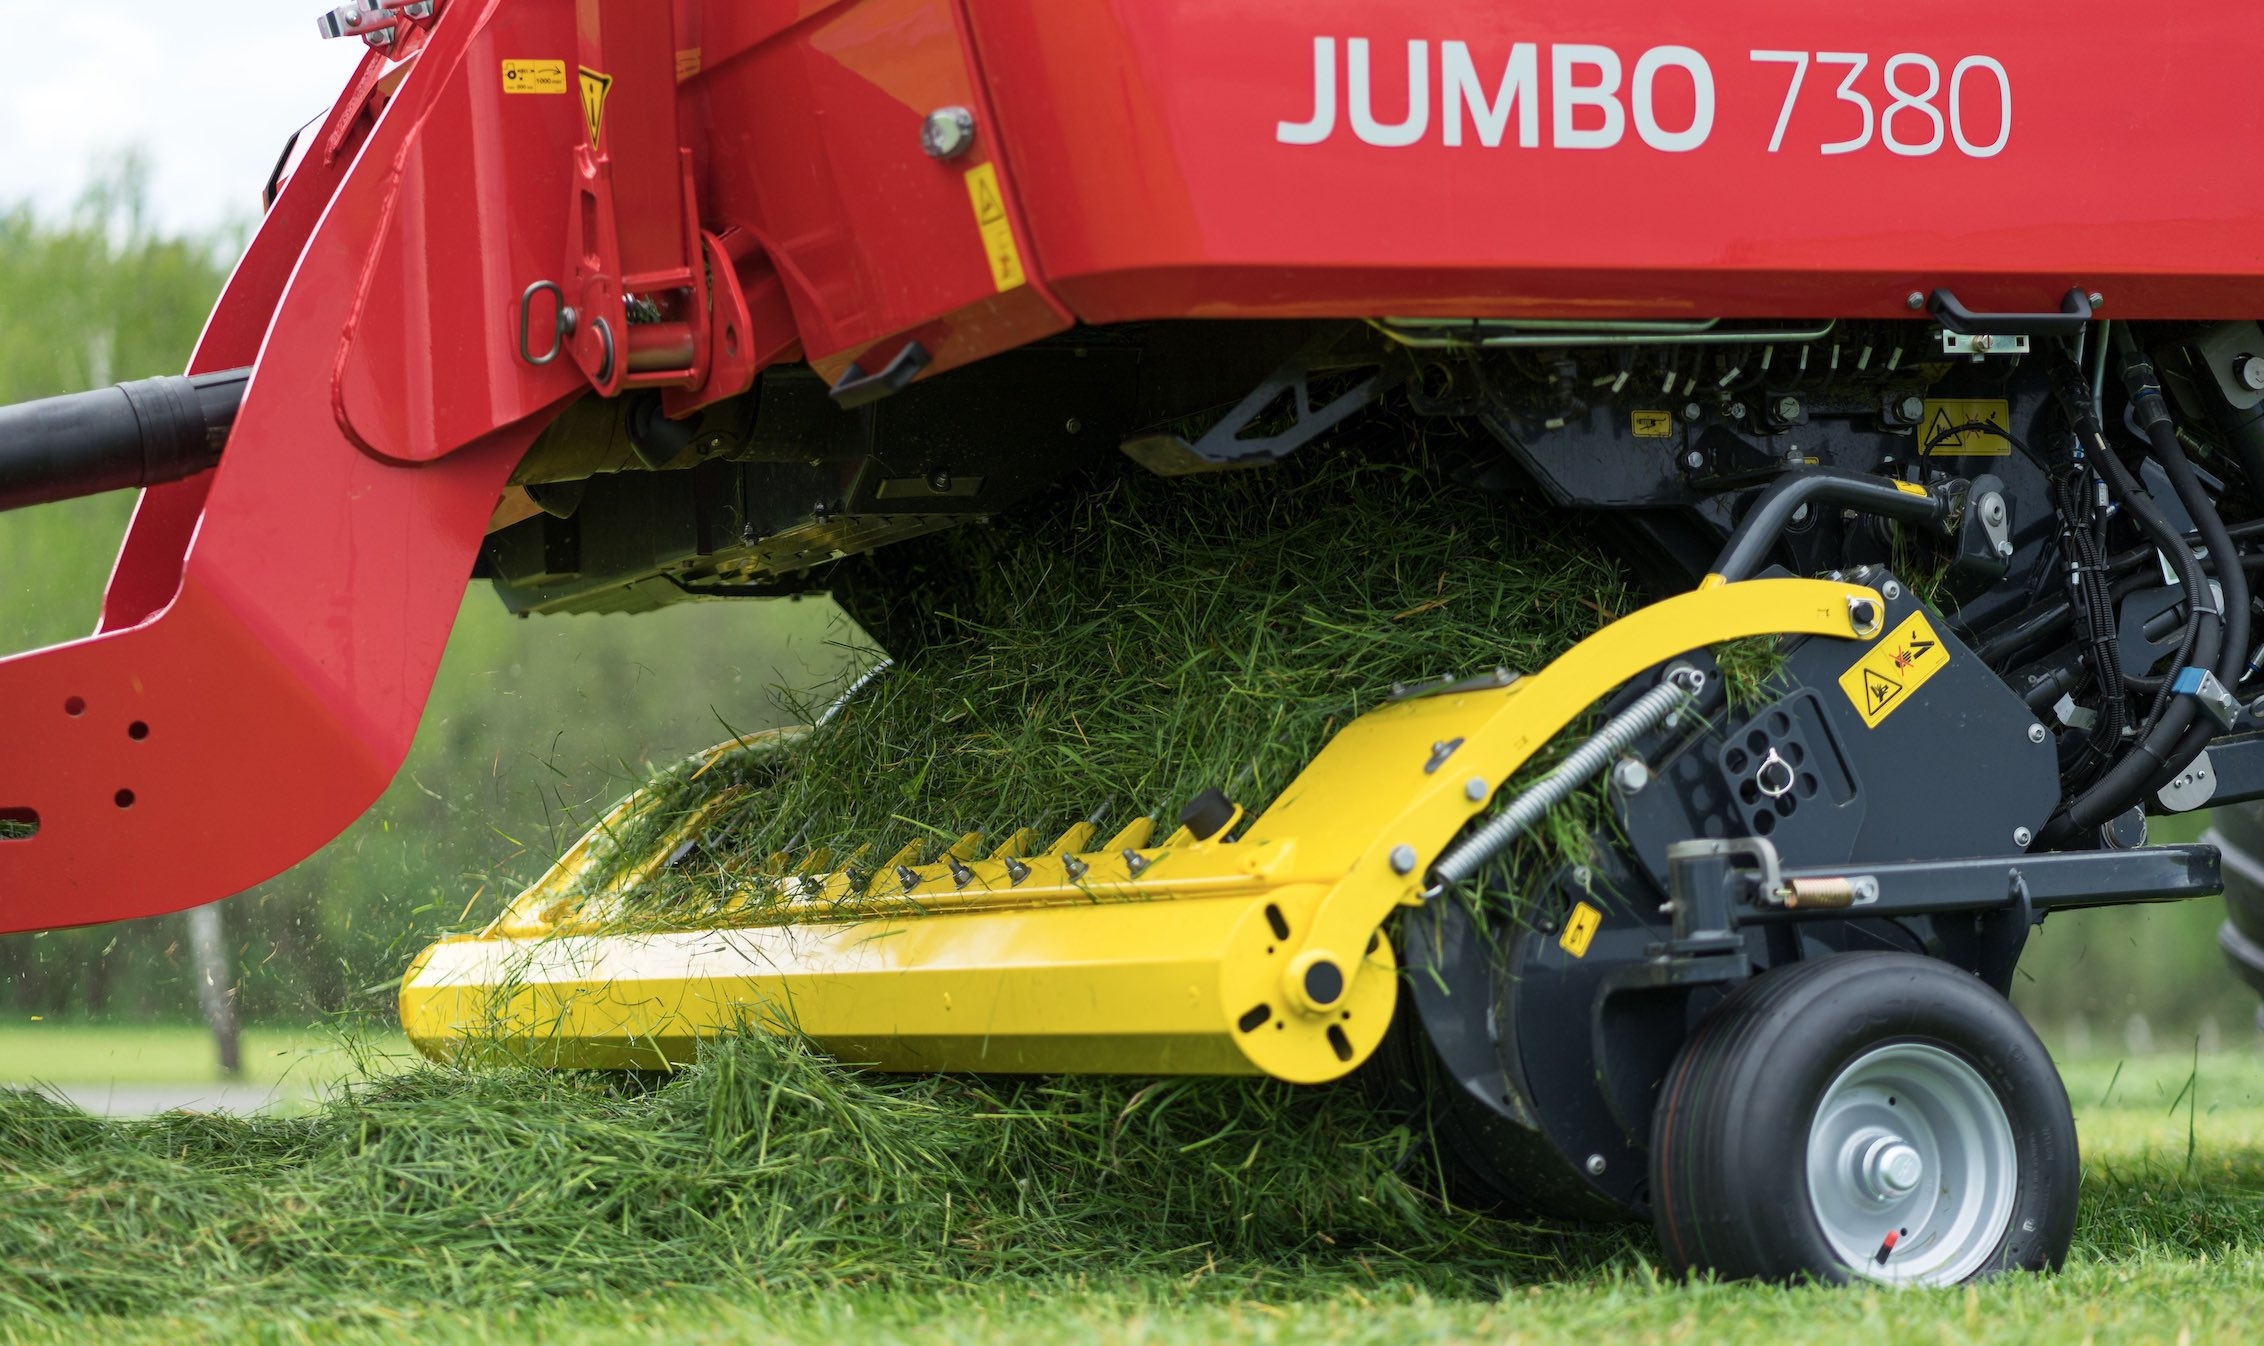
(147, 1100)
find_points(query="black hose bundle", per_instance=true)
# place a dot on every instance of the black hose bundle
(2173, 733)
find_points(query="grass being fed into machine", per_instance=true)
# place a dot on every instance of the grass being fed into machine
(1116, 651)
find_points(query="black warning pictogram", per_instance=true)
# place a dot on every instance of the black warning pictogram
(1878, 690)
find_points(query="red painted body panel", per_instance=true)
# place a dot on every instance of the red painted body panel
(273, 628)
(1143, 138)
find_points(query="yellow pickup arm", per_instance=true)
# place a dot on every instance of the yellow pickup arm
(1147, 957)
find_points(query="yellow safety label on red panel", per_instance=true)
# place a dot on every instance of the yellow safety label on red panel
(1652, 424)
(595, 87)
(1882, 680)
(998, 233)
(1580, 929)
(1966, 427)
(534, 77)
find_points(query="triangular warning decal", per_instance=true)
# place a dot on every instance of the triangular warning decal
(594, 89)
(1878, 690)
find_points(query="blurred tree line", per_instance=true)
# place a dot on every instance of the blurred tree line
(534, 726)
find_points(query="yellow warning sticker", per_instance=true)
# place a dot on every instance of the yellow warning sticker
(1897, 666)
(687, 64)
(1906, 487)
(1967, 427)
(997, 232)
(594, 89)
(534, 77)
(1652, 424)
(1580, 929)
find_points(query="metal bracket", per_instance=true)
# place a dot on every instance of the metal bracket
(1241, 439)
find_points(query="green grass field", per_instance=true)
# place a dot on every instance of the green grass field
(2170, 1250)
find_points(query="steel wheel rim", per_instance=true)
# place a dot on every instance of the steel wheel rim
(1910, 1154)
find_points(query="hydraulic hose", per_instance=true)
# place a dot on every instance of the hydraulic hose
(2125, 782)
(2232, 650)
(133, 434)
(1758, 531)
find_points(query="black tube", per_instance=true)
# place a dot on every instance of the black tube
(2232, 650)
(2125, 782)
(133, 434)
(1762, 525)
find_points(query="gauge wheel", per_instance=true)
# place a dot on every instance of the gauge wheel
(1864, 1117)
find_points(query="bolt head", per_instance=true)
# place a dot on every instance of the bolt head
(1915, 300)
(1595, 1166)
(1913, 408)
(1403, 859)
(947, 132)
(2097, 299)
(2035, 733)
(1788, 408)
(1737, 411)
(1475, 789)
(1631, 775)
(2248, 372)
(1694, 460)
(1074, 426)
(2021, 836)
(1691, 411)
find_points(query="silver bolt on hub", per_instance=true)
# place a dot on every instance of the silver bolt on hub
(1403, 859)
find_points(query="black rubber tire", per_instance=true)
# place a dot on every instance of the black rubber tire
(1729, 1174)
(2238, 831)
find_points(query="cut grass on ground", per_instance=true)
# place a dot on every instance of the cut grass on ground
(770, 1196)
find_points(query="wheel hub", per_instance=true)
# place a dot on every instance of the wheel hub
(1912, 1167)
(1887, 1166)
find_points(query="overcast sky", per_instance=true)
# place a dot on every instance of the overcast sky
(208, 88)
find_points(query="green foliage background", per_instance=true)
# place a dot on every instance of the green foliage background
(533, 725)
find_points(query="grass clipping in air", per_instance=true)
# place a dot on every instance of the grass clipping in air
(1116, 650)
(1127, 644)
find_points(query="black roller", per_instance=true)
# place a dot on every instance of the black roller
(133, 434)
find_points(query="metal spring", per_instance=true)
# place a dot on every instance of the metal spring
(1466, 857)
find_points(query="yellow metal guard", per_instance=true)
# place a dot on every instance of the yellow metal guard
(1134, 956)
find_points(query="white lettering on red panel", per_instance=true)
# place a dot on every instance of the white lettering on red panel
(1907, 107)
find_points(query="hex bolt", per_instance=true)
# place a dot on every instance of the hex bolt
(2035, 733)
(1631, 775)
(1403, 859)
(2004, 548)
(1788, 408)
(1694, 460)
(2248, 372)
(1691, 411)
(947, 132)
(1475, 789)
(1596, 1166)
(2021, 836)
(1915, 300)
(1737, 411)
(1913, 408)
(2097, 299)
